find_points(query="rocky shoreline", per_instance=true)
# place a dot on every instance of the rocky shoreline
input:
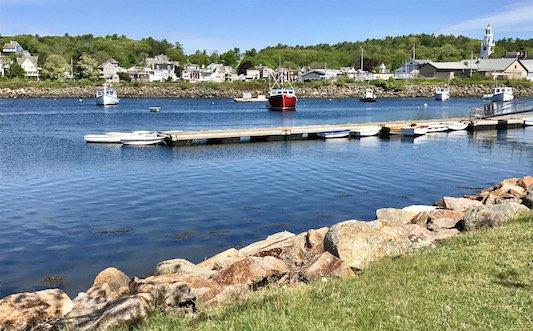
(176, 91)
(282, 259)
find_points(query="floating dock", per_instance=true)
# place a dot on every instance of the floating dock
(310, 132)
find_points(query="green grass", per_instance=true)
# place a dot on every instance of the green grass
(480, 280)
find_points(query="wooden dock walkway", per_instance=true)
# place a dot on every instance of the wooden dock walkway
(309, 132)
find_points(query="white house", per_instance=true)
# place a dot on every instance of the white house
(191, 73)
(12, 47)
(109, 71)
(163, 69)
(528, 64)
(260, 72)
(140, 74)
(409, 69)
(29, 64)
(2, 67)
(216, 72)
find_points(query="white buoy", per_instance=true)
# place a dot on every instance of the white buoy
(425, 105)
(80, 100)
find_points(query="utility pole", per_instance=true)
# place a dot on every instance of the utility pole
(414, 52)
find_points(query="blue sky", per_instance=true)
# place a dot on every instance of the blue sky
(223, 24)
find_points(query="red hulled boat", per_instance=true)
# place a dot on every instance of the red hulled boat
(282, 99)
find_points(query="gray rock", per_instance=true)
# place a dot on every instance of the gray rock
(460, 204)
(528, 199)
(488, 216)
(359, 243)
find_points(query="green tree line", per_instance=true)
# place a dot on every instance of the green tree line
(87, 51)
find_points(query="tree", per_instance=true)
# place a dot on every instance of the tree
(245, 65)
(87, 67)
(230, 58)
(55, 67)
(15, 71)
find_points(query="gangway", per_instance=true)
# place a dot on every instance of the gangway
(495, 109)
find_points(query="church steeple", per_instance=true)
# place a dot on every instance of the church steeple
(487, 47)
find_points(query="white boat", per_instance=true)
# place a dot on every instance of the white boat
(366, 131)
(247, 97)
(528, 121)
(413, 131)
(503, 94)
(437, 128)
(457, 126)
(154, 109)
(150, 138)
(115, 137)
(106, 96)
(334, 134)
(487, 96)
(442, 93)
(370, 96)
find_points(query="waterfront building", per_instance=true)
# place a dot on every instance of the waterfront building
(502, 68)
(217, 73)
(162, 69)
(320, 74)
(12, 47)
(487, 46)
(140, 74)
(447, 70)
(528, 65)
(410, 69)
(29, 64)
(3, 65)
(109, 71)
(191, 72)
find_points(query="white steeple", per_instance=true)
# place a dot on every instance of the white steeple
(487, 47)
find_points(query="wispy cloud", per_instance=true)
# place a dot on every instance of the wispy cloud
(516, 16)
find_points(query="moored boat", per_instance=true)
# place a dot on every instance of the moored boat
(442, 93)
(369, 96)
(154, 109)
(282, 99)
(528, 121)
(437, 128)
(366, 131)
(413, 131)
(457, 126)
(502, 94)
(117, 137)
(150, 138)
(334, 134)
(247, 97)
(106, 96)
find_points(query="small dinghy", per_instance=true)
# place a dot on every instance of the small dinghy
(458, 126)
(150, 138)
(154, 109)
(369, 96)
(334, 134)
(437, 128)
(528, 121)
(414, 131)
(366, 131)
(116, 137)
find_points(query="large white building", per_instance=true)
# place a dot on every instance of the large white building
(162, 69)
(487, 46)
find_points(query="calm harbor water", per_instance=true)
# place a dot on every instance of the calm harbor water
(68, 210)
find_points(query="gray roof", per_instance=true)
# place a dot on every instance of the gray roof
(528, 64)
(458, 65)
(33, 59)
(494, 64)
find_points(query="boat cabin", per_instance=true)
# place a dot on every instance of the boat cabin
(106, 91)
(282, 91)
(505, 90)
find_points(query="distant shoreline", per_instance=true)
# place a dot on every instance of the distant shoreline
(324, 91)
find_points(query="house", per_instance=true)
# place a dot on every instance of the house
(163, 69)
(528, 65)
(447, 70)
(510, 68)
(410, 69)
(12, 47)
(320, 74)
(191, 73)
(216, 72)
(140, 74)
(109, 71)
(29, 64)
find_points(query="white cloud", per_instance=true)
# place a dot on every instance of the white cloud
(516, 17)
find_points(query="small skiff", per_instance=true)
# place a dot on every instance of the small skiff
(458, 126)
(115, 137)
(366, 131)
(413, 131)
(142, 139)
(334, 134)
(437, 128)
(154, 109)
(528, 121)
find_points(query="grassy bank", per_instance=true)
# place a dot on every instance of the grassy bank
(478, 280)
